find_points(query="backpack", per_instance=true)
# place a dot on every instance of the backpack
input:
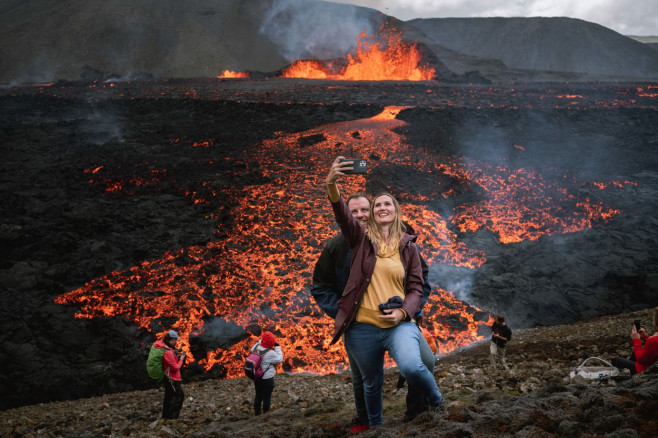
(154, 363)
(252, 367)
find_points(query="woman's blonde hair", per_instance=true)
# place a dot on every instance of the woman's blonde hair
(374, 230)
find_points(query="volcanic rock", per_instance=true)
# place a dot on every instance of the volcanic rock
(99, 181)
(535, 398)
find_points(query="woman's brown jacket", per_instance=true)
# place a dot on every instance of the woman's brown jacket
(364, 256)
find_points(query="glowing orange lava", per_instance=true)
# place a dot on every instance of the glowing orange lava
(392, 60)
(258, 272)
(229, 74)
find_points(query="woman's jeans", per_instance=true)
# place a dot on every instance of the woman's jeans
(368, 344)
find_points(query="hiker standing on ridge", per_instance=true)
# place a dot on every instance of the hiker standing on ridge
(329, 278)
(500, 335)
(385, 264)
(171, 365)
(264, 386)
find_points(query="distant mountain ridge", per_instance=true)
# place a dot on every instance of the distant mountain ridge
(649, 40)
(544, 44)
(43, 41)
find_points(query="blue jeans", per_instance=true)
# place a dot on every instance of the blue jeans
(357, 388)
(368, 344)
(416, 397)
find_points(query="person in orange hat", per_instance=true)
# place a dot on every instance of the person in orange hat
(271, 355)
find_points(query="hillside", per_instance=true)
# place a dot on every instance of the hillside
(536, 399)
(544, 44)
(42, 41)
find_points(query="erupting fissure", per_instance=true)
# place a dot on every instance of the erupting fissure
(258, 273)
(390, 60)
(229, 74)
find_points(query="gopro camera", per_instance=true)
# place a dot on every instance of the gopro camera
(360, 166)
(637, 323)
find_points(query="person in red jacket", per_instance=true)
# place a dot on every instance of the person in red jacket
(171, 365)
(645, 349)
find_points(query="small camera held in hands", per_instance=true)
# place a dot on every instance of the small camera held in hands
(637, 323)
(360, 165)
(392, 303)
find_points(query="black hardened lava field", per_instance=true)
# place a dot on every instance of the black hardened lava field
(129, 208)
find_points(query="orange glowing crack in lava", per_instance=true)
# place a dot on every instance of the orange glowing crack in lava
(260, 272)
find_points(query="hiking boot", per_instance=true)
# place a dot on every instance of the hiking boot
(358, 428)
(439, 409)
(409, 418)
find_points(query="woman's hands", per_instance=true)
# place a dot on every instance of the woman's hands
(634, 333)
(337, 169)
(393, 315)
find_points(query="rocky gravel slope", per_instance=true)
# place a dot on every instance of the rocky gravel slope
(535, 398)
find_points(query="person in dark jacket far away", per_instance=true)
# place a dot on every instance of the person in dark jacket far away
(385, 264)
(329, 279)
(265, 385)
(171, 365)
(500, 335)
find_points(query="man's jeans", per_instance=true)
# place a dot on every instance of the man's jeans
(368, 344)
(357, 388)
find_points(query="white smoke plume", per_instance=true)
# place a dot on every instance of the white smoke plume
(306, 29)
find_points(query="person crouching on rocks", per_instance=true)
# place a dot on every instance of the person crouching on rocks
(645, 355)
(265, 385)
(171, 365)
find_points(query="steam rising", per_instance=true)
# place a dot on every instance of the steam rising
(305, 29)
(100, 128)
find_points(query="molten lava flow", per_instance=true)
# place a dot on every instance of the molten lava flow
(547, 207)
(307, 70)
(257, 273)
(228, 74)
(392, 61)
(112, 185)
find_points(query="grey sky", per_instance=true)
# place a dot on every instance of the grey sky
(628, 17)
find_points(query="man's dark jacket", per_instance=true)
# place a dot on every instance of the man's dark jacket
(503, 331)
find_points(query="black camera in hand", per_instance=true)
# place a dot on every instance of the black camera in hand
(392, 303)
